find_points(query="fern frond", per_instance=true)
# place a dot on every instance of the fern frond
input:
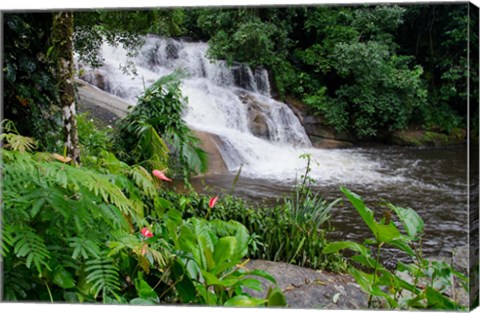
(84, 247)
(28, 245)
(102, 276)
(7, 240)
(143, 180)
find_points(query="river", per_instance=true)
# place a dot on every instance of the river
(227, 101)
(432, 181)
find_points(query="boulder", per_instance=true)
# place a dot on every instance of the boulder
(315, 125)
(309, 289)
(103, 107)
(428, 138)
(209, 144)
(323, 143)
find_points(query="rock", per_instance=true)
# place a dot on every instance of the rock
(461, 259)
(209, 144)
(102, 106)
(309, 289)
(257, 119)
(315, 125)
(428, 138)
(322, 143)
(258, 123)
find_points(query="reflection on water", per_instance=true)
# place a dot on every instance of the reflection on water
(433, 182)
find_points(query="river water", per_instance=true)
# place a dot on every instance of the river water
(221, 99)
(432, 181)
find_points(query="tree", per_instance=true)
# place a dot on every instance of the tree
(62, 45)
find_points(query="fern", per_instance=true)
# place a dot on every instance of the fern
(27, 244)
(14, 140)
(7, 240)
(84, 247)
(102, 276)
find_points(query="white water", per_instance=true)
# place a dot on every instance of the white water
(215, 105)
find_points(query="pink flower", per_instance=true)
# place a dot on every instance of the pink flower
(147, 233)
(212, 202)
(160, 175)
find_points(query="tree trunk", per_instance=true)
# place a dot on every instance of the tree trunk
(62, 40)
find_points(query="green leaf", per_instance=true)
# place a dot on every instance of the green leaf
(436, 300)
(224, 249)
(383, 233)
(185, 287)
(263, 274)
(341, 245)
(363, 279)
(144, 290)
(211, 279)
(403, 245)
(251, 283)
(411, 221)
(244, 301)
(276, 298)
(140, 301)
(63, 278)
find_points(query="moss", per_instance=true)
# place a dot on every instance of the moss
(428, 138)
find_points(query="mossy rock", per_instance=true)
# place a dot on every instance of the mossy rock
(428, 138)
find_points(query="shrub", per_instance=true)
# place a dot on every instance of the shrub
(276, 234)
(379, 282)
(101, 234)
(155, 123)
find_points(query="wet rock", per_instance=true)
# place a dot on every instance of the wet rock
(428, 138)
(101, 106)
(172, 49)
(315, 125)
(323, 143)
(209, 141)
(257, 119)
(257, 123)
(310, 289)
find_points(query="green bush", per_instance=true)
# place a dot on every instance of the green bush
(102, 234)
(429, 280)
(276, 234)
(155, 134)
(379, 93)
(92, 140)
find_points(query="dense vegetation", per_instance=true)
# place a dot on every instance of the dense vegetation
(104, 228)
(369, 70)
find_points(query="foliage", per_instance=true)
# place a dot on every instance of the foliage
(429, 279)
(276, 234)
(155, 122)
(381, 93)
(125, 27)
(440, 47)
(92, 140)
(369, 70)
(11, 139)
(95, 251)
(30, 94)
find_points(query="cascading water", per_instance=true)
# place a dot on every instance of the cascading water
(254, 130)
(266, 138)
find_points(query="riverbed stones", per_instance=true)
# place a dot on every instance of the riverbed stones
(309, 289)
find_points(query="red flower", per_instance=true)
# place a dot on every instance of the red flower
(159, 174)
(212, 202)
(147, 233)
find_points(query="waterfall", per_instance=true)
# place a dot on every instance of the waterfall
(234, 103)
